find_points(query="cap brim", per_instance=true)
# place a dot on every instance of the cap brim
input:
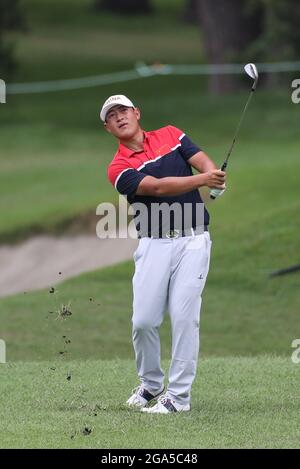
(105, 110)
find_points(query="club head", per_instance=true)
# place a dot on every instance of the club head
(252, 72)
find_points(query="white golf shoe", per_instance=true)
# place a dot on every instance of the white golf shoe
(166, 405)
(141, 397)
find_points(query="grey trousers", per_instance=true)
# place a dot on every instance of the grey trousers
(170, 275)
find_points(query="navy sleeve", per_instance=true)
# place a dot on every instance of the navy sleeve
(127, 182)
(188, 148)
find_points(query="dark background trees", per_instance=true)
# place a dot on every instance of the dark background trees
(234, 31)
(231, 31)
(11, 18)
(125, 6)
(227, 28)
(247, 31)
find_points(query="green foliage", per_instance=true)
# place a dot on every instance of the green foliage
(127, 7)
(279, 37)
(10, 15)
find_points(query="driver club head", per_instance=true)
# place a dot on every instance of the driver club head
(252, 72)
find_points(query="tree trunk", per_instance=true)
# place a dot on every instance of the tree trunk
(124, 6)
(190, 12)
(227, 28)
(11, 18)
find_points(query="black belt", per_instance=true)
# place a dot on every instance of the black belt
(179, 233)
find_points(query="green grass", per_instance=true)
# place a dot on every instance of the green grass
(237, 403)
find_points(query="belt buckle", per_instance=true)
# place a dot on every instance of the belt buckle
(172, 234)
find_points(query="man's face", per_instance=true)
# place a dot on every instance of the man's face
(122, 122)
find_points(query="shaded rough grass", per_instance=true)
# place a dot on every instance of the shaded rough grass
(237, 403)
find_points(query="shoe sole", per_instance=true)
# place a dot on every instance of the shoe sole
(147, 411)
(141, 407)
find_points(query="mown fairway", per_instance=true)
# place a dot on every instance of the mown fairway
(237, 403)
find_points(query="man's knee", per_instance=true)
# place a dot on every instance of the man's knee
(143, 323)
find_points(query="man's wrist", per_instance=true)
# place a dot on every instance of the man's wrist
(201, 180)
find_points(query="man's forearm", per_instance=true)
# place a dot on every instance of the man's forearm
(179, 185)
(201, 162)
(167, 186)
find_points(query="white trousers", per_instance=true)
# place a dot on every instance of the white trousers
(170, 275)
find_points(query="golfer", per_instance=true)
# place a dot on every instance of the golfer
(172, 259)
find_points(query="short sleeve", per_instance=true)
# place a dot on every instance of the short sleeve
(187, 147)
(125, 179)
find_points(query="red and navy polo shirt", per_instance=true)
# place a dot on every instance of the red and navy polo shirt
(166, 153)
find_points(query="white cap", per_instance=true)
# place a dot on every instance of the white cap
(115, 100)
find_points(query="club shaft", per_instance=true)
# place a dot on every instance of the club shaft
(224, 165)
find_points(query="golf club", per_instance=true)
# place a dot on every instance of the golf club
(252, 72)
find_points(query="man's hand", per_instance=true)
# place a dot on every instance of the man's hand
(215, 179)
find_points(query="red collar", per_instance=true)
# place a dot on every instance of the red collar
(125, 151)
